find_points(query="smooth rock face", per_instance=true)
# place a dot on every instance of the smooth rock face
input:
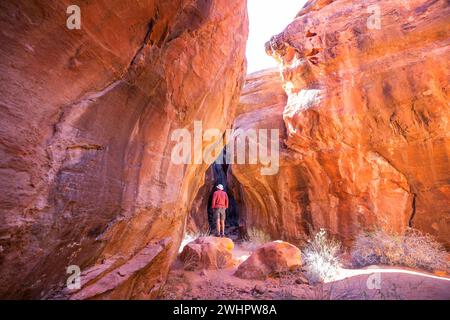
(272, 257)
(264, 199)
(86, 120)
(208, 253)
(367, 122)
(197, 220)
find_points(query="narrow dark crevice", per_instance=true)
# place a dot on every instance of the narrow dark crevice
(201, 215)
(220, 174)
(411, 218)
(144, 43)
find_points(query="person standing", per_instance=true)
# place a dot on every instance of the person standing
(219, 205)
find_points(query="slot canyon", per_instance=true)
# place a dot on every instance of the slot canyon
(88, 115)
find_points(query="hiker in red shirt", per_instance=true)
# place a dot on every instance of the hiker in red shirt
(219, 205)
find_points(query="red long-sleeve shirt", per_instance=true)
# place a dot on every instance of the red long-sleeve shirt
(219, 200)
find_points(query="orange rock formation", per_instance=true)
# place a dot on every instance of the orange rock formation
(86, 120)
(366, 119)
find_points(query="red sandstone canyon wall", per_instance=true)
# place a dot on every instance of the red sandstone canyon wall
(86, 117)
(264, 201)
(86, 176)
(366, 120)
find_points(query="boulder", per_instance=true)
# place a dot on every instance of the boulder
(272, 257)
(208, 253)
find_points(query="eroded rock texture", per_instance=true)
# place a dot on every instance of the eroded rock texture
(269, 259)
(198, 219)
(265, 201)
(208, 253)
(86, 118)
(366, 118)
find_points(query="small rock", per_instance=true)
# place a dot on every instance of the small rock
(259, 289)
(203, 273)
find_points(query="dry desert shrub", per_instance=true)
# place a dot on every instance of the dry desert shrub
(191, 261)
(321, 258)
(191, 236)
(223, 260)
(414, 249)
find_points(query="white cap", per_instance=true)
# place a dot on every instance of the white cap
(219, 186)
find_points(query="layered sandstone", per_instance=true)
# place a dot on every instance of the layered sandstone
(198, 218)
(264, 200)
(86, 118)
(366, 119)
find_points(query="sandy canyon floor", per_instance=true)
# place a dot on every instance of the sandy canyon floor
(374, 282)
